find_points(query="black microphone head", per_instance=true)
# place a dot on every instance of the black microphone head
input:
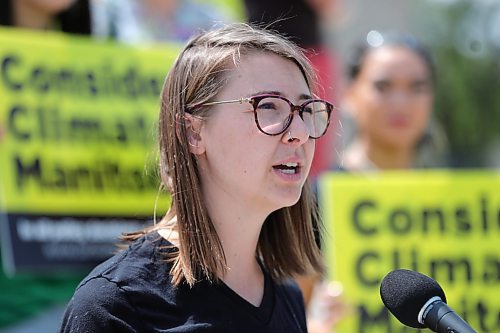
(405, 292)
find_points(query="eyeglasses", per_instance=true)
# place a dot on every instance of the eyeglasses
(274, 113)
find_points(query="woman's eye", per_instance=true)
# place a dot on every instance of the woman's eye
(421, 87)
(308, 109)
(382, 86)
(267, 105)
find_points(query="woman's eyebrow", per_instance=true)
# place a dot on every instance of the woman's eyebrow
(268, 92)
(279, 93)
(305, 96)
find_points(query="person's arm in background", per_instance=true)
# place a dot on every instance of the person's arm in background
(324, 302)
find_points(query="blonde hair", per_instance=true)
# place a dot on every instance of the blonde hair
(287, 245)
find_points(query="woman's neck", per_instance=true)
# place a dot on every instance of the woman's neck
(238, 227)
(239, 234)
(238, 231)
(27, 16)
(362, 155)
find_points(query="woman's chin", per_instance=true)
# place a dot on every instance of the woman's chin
(290, 200)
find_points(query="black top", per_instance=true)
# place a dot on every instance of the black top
(132, 292)
(292, 18)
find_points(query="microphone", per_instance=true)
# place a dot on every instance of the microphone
(418, 301)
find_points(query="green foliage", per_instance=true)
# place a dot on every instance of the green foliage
(468, 78)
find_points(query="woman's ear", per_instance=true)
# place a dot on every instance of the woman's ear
(193, 126)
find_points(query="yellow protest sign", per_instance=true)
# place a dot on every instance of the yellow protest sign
(445, 224)
(77, 136)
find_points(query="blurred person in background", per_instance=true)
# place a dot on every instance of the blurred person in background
(387, 121)
(29, 302)
(71, 16)
(388, 105)
(154, 21)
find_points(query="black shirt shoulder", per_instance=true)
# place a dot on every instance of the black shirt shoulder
(132, 292)
(102, 301)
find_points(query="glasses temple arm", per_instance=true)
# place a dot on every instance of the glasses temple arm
(240, 100)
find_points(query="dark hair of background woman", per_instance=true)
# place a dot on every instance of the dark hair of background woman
(389, 39)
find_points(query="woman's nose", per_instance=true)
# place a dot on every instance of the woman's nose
(297, 131)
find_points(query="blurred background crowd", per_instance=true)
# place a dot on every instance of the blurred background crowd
(457, 89)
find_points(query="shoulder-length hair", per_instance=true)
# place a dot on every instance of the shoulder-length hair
(287, 245)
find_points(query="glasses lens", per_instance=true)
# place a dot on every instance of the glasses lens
(315, 116)
(273, 115)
